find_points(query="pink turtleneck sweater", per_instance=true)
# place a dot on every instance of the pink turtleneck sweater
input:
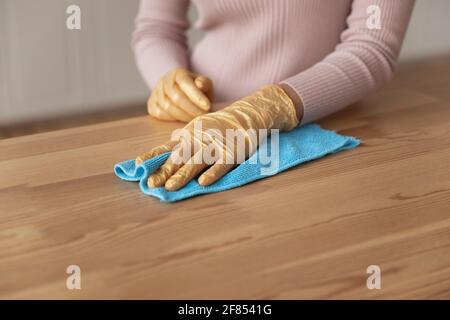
(323, 49)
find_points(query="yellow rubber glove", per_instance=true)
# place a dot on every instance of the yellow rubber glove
(180, 95)
(268, 108)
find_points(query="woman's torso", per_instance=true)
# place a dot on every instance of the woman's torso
(248, 44)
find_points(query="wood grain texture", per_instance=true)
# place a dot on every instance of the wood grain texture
(71, 121)
(310, 232)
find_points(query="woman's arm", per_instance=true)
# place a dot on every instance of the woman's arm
(362, 62)
(159, 40)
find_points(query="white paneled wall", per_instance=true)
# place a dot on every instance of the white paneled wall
(428, 33)
(48, 70)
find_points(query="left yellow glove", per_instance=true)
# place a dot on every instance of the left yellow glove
(268, 108)
(180, 95)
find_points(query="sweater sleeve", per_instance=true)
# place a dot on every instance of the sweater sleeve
(159, 40)
(362, 62)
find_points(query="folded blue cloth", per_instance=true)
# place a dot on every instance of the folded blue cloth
(295, 147)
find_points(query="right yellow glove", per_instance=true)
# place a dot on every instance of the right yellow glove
(180, 95)
(268, 108)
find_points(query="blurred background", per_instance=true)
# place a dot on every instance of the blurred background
(53, 77)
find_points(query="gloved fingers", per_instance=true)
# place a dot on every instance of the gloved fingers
(155, 110)
(185, 174)
(179, 98)
(205, 84)
(156, 151)
(195, 94)
(160, 176)
(151, 105)
(161, 114)
(174, 111)
(214, 173)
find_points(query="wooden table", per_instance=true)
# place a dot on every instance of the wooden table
(310, 232)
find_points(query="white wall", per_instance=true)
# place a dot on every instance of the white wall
(429, 30)
(47, 70)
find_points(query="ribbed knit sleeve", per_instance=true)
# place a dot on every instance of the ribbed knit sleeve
(159, 40)
(362, 62)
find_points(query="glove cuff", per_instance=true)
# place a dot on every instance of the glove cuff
(268, 108)
(286, 115)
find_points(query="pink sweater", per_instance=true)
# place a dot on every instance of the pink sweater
(323, 49)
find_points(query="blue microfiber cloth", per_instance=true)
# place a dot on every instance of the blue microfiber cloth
(295, 147)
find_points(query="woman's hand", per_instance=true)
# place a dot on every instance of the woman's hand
(204, 141)
(180, 95)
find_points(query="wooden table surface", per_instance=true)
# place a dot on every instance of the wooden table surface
(310, 232)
